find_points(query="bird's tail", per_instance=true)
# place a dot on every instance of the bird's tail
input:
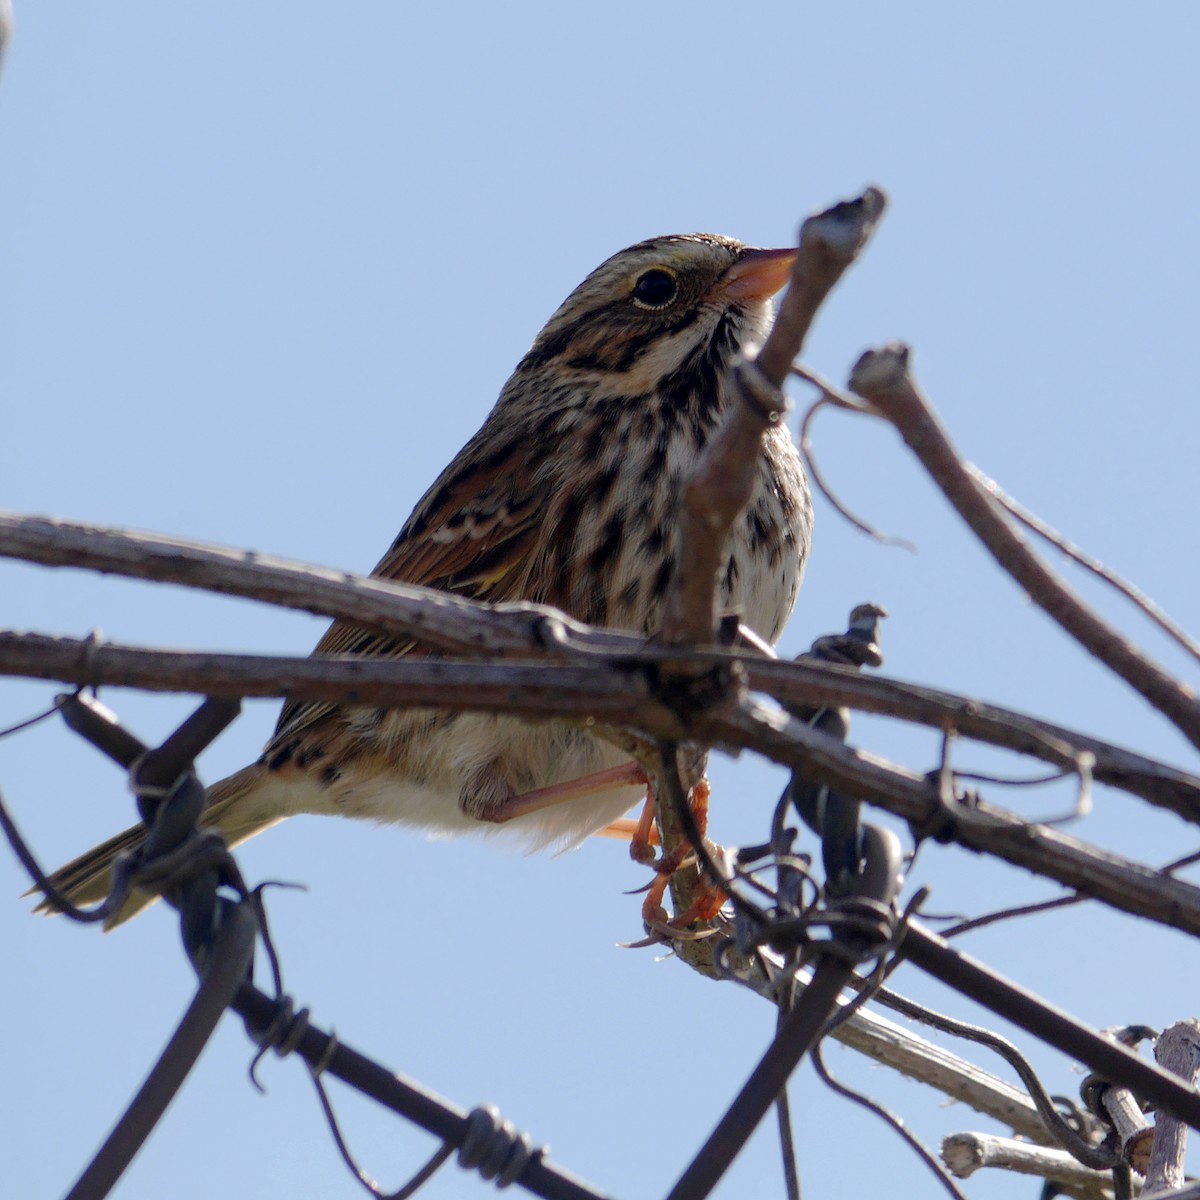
(231, 811)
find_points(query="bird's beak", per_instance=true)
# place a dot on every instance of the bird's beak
(758, 274)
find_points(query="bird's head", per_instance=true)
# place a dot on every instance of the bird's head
(659, 309)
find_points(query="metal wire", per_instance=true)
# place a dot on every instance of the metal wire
(228, 962)
(1069, 1136)
(220, 936)
(30, 722)
(419, 1178)
(890, 1118)
(1115, 1062)
(327, 1055)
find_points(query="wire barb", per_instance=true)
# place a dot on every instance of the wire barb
(494, 1148)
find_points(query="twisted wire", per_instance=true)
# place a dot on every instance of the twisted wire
(491, 1145)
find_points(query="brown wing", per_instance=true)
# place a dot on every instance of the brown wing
(474, 532)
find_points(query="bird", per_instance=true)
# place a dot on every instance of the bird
(566, 496)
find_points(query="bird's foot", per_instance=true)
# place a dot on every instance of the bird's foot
(707, 898)
(706, 902)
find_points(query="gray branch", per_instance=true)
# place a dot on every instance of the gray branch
(1178, 1050)
(966, 1153)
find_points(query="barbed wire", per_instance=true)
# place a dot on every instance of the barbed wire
(189, 867)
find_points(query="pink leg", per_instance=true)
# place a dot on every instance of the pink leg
(623, 829)
(626, 775)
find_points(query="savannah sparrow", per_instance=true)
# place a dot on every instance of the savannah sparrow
(566, 496)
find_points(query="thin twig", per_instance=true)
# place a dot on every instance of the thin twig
(1007, 914)
(826, 490)
(1041, 906)
(30, 722)
(882, 378)
(835, 395)
(1134, 594)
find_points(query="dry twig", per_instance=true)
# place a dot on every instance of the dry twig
(882, 378)
(966, 1153)
(1177, 1050)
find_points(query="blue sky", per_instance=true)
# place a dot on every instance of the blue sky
(265, 267)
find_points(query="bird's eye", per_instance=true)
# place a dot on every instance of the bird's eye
(655, 289)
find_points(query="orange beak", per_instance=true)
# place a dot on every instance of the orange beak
(758, 274)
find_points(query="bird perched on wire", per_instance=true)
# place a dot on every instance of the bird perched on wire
(566, 496)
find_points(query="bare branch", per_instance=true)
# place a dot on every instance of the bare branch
(580, 692)
(522, 630)
(1130, 591)
(722, 483)
(882, 378)
(827, 684)
(1177, 1050)
(830, 242)
(966, 1153)
(1118, 881)
(438, 620)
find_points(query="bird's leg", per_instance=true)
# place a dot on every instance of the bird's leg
(625, 829)
(641, 834)
(645, 834)
(626, 775)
